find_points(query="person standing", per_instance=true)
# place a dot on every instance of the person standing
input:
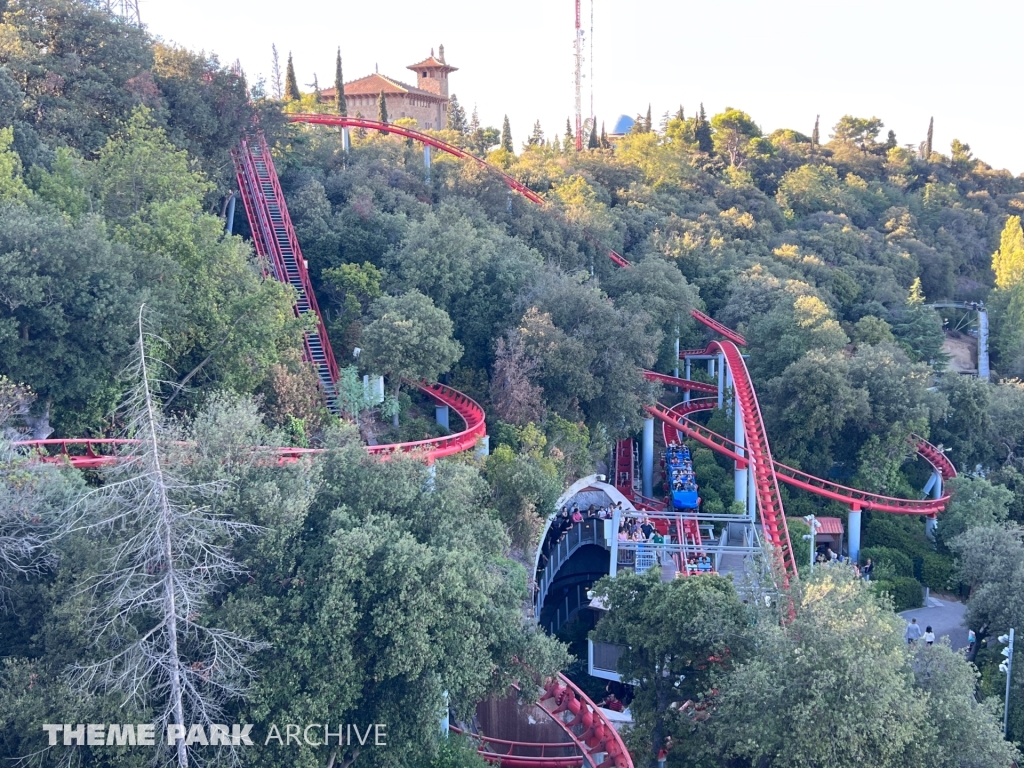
(929, 636)
(866, 570)
(913, 632)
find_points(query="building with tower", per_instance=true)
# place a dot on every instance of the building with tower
(426, 102)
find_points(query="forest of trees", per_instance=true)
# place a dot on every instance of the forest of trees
(823, 248)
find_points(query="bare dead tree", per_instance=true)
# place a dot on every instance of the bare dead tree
(166, 553)
(515, 398)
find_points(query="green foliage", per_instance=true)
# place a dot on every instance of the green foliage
(905, 592)
(12, 187)
(506, 136)
(937, 572)
(975, 502)
(382, 108)
(888, 563)
(291, 84)
(1008, 261)
(340, 104)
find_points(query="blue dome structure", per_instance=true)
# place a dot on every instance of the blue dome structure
(623, 125)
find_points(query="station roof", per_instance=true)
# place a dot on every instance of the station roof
(623, 124)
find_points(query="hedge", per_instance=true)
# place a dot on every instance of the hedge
(905, 592)
(887, 559)
(937, 572)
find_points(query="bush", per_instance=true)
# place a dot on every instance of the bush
(900, 532)
(889, 563)
(937, 571)
(905, 592)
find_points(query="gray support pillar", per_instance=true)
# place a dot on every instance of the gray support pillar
(229, 223)
(721, 379)
(751, 490)
(426, 160)
(853, 533)
(441, 414)
(613, 563)
(648, 458)
(983, 369)
(346, 140)
(483, 449)
(676, 358)
(711, 367)
(740, 481)
(931, 523)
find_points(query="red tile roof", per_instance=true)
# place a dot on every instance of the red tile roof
(432, 63)
(831, 526)
(372, 85)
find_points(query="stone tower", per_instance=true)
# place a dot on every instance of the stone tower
(432, 74)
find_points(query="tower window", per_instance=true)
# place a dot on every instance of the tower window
(426, 74)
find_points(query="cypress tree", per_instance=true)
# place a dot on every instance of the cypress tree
(275, 73)
(816, 133)
(340, 105)
(506, 136)
(568, 143)
(647, 120)
(928, 141)
(604, 137)
(382, 108)
(291, 85)
(592, 143)
(680, 115)
(702, 132)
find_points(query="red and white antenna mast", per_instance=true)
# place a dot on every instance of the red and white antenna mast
(579, 79)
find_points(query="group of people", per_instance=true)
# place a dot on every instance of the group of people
(640, 530)
(699, 564)
(913, 633)
(680, 468)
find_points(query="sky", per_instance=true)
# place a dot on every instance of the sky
(781, 61)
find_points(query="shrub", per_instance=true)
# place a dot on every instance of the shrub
(937, 571)
(900, 532)
(905, 592)
(888, 562)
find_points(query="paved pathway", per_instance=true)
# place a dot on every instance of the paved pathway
(946, 618)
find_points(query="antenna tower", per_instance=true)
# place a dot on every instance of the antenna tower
(125, 9)
(579, 78)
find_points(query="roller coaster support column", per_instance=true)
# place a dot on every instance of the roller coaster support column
(441, 413)
(686, 394)
(721, 380)
(346, 140)
(751, 492)
(229, 225)
(983, 370)
(426, 160)
(740, 476)
(613, 563)
(676, 358)
(853, 532)
(648, 457)
(931, 522)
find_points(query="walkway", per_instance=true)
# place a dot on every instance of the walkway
(946, 618)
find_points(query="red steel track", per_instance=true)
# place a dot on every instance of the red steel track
(275, 240)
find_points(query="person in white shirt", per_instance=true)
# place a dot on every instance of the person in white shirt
(929, 636)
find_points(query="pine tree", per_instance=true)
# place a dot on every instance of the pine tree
(291, 85)
(604, 138)
(316, 90)
(537, 136)
(382, 108)
(275, 73)
(506, 136)
(1008, 261)
(647, 120)
(340, 105)
(456, 115)
(592, 142)
(890, 141)
(680, 115)
(702, 132)
(816, 133)
(474, 121)
(928, 140)
(569, 141)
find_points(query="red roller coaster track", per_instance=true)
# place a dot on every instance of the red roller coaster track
(275, 240)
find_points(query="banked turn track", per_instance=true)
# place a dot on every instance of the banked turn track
(275, 241)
